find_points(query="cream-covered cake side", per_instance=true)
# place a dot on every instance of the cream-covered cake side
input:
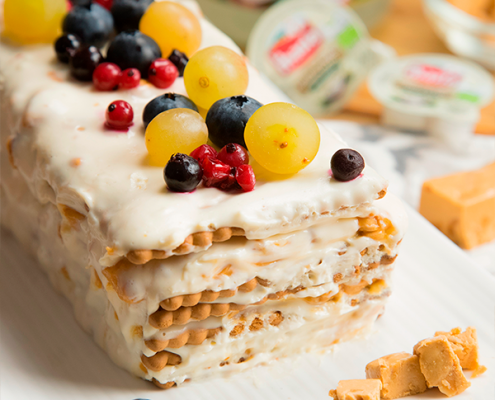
(309, 256)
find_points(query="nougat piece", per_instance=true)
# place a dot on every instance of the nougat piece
(440, 366)
(462, 206)
(465, 346)
(357, 389)
(399, 374)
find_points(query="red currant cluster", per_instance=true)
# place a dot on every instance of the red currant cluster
(108, 76)
(228, 169)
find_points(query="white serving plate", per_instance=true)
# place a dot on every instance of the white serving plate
(44, 354)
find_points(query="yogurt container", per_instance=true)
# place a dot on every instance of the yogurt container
(437, 93)
(316, 51)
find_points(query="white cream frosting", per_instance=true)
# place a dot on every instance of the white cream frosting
(58, 120)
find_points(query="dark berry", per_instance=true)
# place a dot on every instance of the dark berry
(81, 2)
(245, 177)
(215, 173)
(182, 173)
(130, 79)
(84, 62)
(203, 152)
(105, 3)
(106, 76)
(164, 103)
(162, 73)
(133, 49)
(92, 23)
(180, 60)
(227, 118)
(65, 47)
(119, 115)
(346, 164)
(128, 13)
(233, 154)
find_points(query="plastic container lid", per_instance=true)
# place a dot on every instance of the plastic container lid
(438, 93)
(316, 51)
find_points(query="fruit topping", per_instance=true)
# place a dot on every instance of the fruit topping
(33, 21)
(84, 62)
(66, 46)
(92, 23)
(234, 155)
(245, 177)
(178, 130)
(119, 115)
(128, 13)
(218, 174)
(204, 152)
(132, 49)
(173, 26)
(166, 102)
(346, 164)
(162, 73)
(213, 74)
(130, 78)
(182, 173)
(227, 119)
(282, 138)
(105, 3)
(106, 76)
(180, 60)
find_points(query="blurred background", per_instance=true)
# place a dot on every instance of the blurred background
(409, 83)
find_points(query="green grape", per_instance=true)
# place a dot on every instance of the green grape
(282, 138)
(172, 26)
(33, 21)
(179, 130)
(213, 74)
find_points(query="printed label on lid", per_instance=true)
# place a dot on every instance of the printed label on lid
(431, 75)
(294, 49)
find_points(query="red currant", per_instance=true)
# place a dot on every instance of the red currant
(215, 172)
(233, 154)
(119, 115)
(162, 73)
(106, 76)
(203, 152)
(245, 177)
(130, 78)
(105, 3)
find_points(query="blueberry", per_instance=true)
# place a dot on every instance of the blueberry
(166, 102)
(66, 46)
(346, 164)
(92, 23)
(133, 49)
(227, 118)
(128, 13)
(180, 60)
(84, 62)
(182, 173)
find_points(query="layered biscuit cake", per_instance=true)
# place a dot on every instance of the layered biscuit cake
(173, 286)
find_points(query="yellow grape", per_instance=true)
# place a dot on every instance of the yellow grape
(172, 26)
(179, 130)
(213, 74)
(282, 138)
(34, 21)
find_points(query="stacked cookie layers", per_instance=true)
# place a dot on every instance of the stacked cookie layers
(175, 286)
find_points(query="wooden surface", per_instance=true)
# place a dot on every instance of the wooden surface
(408, 31)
